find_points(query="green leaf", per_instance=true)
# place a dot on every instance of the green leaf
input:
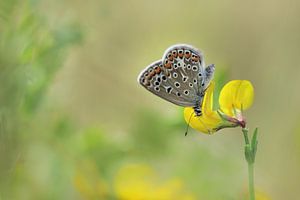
(254, 142)
(248, 153)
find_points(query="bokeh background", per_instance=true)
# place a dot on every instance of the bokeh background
(74, 123)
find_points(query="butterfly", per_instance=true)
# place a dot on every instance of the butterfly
(180, 77)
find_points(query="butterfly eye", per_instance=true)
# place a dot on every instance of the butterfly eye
(164, 78)
(157, 89)
(178, 94)
(177, 84)
(195, 81)
(199, 74)
(175, 75)
(191, 84)
(188, 67)
(186, 92)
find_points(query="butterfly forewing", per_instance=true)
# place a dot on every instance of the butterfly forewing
(188, 63)
(180, 77)
(154, 79)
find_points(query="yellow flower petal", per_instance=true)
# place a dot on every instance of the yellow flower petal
(207, 104)
(237, 94)
(204, 123)
(209, 120)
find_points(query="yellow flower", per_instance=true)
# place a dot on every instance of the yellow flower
(140, 182)
(259, 195)
(89, 183)
(235, 97)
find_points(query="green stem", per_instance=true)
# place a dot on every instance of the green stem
(250, 157)
(251, 181)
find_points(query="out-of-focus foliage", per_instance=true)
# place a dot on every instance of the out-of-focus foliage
(30, 55)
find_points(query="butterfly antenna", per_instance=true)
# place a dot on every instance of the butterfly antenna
(188, 125)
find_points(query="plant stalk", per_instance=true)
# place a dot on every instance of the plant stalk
(251, 181)
(250, 158)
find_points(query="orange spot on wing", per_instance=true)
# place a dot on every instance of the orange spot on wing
(180, 54)
(174, 53)
(157, 70)
(187, 54)
(196, 58)
(152, 73)
(170, 57)
(167, 64)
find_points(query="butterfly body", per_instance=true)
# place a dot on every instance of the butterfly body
(180, 77)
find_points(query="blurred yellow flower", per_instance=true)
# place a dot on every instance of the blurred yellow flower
(235, 97)
(259, 195)
(88, 182)
(139, 182)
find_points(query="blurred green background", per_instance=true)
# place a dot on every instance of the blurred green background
(75, 124)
